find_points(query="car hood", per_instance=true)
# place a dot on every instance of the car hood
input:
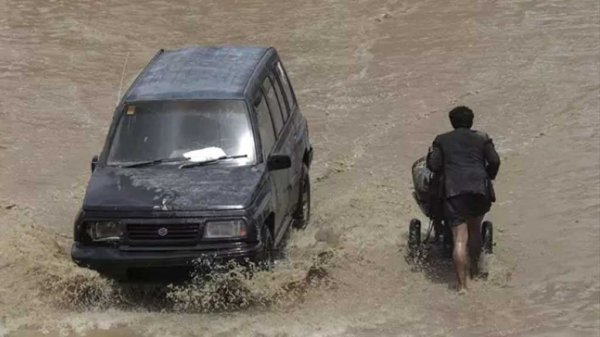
(167, 188)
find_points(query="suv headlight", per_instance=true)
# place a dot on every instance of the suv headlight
(105, 230)
(225, 229)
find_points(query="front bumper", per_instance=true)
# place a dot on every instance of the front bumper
(116, 261)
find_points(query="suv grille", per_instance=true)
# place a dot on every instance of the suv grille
(163, 233)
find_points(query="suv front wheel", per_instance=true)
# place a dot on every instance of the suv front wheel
(267, 258)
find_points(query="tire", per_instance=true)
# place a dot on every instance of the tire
(487, 237)
(302, 214)
(414, 234)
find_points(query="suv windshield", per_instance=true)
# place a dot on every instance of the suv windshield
(169, 129)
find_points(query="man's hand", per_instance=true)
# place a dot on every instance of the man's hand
(492, 160)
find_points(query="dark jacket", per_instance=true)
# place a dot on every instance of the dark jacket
(467, 161)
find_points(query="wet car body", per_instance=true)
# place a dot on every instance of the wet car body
(162, 214)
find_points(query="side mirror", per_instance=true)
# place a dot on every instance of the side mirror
(278, 162)
(94, 162)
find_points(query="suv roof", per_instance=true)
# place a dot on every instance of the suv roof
(196, 73)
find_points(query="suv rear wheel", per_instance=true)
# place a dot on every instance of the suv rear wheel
(303, 208)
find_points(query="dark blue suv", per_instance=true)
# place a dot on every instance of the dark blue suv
(207, 156)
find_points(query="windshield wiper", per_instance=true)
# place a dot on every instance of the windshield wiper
(154, 162)
(204, 162)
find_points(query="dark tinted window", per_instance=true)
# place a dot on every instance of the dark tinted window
(287, 87)
(273, 105)
(265, 127)
(280, 98)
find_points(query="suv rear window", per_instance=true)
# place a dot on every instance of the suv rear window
(168, 129)
(286, 86)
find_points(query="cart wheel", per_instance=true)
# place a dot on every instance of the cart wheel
(414, 234)
(487, 236)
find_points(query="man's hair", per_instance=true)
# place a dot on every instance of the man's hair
(461, 117)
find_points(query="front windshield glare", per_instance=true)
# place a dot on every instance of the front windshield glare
(169, 129)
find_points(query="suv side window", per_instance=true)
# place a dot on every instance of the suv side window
(265, 126)
(273, 105)
(280, 98)
(285, 83)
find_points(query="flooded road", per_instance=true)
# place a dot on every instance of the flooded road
(375, 80)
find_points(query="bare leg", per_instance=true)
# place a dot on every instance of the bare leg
(459, 254)
(474, 243)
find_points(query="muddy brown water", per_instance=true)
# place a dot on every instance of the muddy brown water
(375, 80)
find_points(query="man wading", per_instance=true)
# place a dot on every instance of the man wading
(467, 161)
